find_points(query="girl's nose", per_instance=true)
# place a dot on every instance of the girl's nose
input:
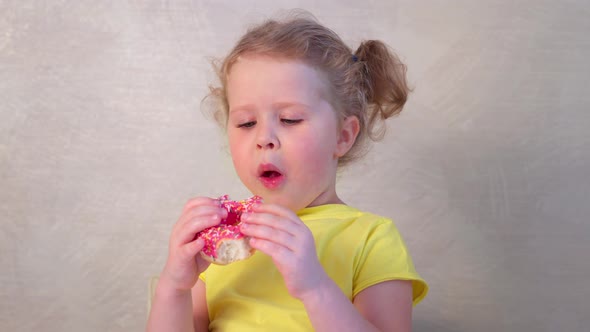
(267, 138)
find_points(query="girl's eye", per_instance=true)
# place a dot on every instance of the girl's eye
(247, 124)
(291, 121)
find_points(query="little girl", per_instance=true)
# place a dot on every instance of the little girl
(296, 104)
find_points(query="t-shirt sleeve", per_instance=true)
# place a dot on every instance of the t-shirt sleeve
(385, 257)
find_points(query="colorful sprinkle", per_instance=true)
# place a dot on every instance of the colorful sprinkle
(229, 227)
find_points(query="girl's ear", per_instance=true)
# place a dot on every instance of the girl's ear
(349, 129)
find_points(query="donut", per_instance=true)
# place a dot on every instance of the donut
(225, 243)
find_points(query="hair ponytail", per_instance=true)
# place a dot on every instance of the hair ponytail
(383, 79)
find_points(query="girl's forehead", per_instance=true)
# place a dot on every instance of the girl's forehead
(278, 63)
(265, 72)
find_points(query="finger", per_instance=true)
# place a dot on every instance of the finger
(276, 251)
(270, 220)
(200, 212)
(199, 201)
(189, 230)
(201, 262)
(270, 234)
(191, 249)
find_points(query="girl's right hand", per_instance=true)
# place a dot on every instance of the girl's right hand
(184, 263)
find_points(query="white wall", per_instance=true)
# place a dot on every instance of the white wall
(486, 172)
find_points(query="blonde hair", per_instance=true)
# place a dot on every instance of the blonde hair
(369, 83)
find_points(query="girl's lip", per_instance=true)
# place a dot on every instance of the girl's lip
(268, 168)
(270, 182)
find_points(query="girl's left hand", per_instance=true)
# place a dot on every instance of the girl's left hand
(279, 233)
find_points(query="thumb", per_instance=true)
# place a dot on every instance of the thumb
(191, 249)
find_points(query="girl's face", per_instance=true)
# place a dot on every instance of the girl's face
(283, 133)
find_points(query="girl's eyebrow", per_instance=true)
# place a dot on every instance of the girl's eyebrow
(282, 105)
(239, 108)
(277, 106)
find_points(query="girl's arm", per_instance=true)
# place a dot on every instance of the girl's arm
(179, 289)
(200, 309)
(175, 310)
(280, 234)
(386, 306)
(172, 310)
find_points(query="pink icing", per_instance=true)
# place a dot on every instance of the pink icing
(229, 228)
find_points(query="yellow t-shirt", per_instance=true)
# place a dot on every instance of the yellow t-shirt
(356, 249)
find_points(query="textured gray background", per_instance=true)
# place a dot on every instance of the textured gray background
(486, 173)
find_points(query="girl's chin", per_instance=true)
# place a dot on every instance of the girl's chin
(280, 199)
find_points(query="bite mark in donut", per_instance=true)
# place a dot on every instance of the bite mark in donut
(225, 243)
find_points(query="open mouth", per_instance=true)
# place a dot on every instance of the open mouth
(270, 174)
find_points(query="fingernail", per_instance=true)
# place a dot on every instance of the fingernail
(245, 216)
